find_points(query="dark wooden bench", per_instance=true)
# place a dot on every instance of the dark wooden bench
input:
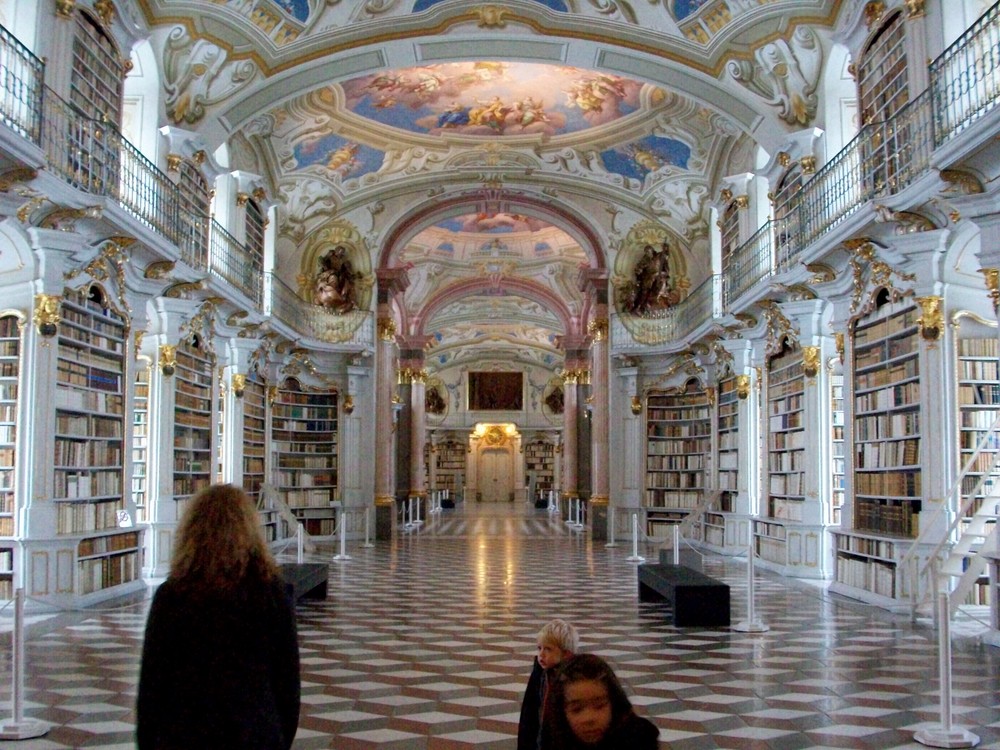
(694, 598)
(306, 580)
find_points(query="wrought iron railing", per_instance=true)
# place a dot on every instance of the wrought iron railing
(231, 261)
(750, 263)
(284, 303)
(965, 78)
(21, 79)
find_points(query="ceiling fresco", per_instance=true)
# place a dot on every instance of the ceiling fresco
(442, 130)
(492, 98)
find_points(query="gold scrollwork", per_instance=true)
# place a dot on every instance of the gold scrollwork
(47, 316)
(239, 384)
(810, 361)
(742, 386)
(598, 329)
(992, 277)
(931, 320)
(386, 329)
(168, 359)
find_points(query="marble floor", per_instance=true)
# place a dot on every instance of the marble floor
(427, 641)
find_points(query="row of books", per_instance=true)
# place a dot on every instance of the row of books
(677, 447)
(105, 572)
(887, 426)
(904, 484)
(76, 518)
(678, 415)
(892, 453)
(71, 453)
(891, 397)
(675, 463)
(74, 485)
(101, 545)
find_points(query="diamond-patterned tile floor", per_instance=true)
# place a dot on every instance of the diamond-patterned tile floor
(427, 641)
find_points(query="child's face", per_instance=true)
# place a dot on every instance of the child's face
(588, 710)
(549, 654)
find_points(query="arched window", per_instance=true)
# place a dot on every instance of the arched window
(195, 199)
(882, 74)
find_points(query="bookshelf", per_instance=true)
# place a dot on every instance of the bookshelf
(883, 406)
(540, 460)
(10, 368)
(837, 457)
(786, 439)
(254, 435)
(140, 442)
(304, 440)
(886, 421)
(678, 443)
(729, 440)
(450, 469)
(193, 413)
(89, 452)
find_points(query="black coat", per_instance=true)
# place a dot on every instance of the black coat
(219, 673)
(531, 706)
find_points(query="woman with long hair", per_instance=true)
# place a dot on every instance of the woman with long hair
(587, 708)
(220, 660)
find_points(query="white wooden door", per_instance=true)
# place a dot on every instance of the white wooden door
(496, 478)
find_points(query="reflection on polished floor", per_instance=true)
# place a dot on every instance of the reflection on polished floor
(427, 641)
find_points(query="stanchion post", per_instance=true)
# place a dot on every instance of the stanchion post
(944, 734)
(343, 538)
(368, 537)
(635, 556)
(751, 624)
(19, 728)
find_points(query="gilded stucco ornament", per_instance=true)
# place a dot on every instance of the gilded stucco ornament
(47, 316)
(742, 386)
(387, 330)
(598, 329)
(167, 358)
(868, 271)
(110, 261)
(810, 361)
(992, 278)
(779, 328)
(492, 16)
(931, 320)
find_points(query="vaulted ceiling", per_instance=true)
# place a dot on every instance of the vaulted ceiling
(493, 150)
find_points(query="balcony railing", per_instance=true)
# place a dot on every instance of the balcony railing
(22, 81)
(884, 159)
(231, 261)
(356, 327)
(965, 78)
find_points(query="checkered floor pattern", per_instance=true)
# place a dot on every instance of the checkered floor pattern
(427, 641)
